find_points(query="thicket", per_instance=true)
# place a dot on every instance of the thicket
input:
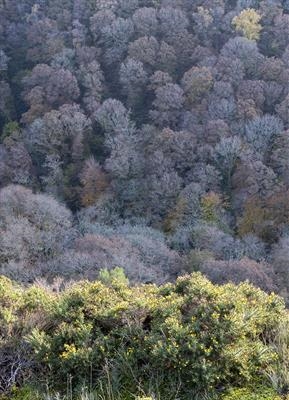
(188, 340)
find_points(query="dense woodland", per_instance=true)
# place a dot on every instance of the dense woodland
(147, 134)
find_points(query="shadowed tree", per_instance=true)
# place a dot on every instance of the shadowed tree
(56, 144)
(226, 157)
(133, 79)
(167, 105)
(92, 82)
(115, 39)
(47, 88)
(261, 131)
(99, 21)
(259, 274)
(145, 50)
(34, 227)
(145, 21)
(246, 51)
(94, 182)
(173, 22)
(196, 83)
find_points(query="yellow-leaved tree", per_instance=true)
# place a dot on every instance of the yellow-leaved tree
(248, 23)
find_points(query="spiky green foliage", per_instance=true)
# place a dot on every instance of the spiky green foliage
(178, 340)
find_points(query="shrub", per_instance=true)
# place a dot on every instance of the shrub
(250, 394)
(190, 338)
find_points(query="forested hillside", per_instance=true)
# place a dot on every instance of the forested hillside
(147, 134)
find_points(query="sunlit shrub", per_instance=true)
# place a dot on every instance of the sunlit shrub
(188, 337)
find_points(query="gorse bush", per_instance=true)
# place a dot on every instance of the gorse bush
(250, 394)
(190, 338)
